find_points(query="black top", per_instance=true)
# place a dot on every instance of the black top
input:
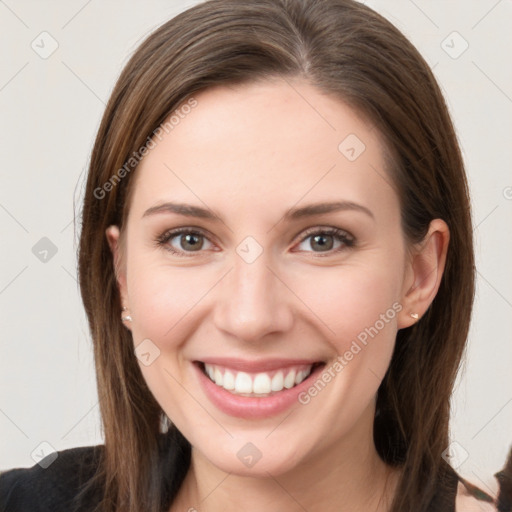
(53, 489)
(56, 488)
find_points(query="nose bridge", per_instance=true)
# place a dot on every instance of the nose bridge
(252, 303)
(252, 284)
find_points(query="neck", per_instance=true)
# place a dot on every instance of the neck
(347, 477)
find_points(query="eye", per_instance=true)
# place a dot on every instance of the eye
(182, 241)
(324, 239)
(187, 241)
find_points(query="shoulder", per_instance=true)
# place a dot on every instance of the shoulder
(53, 484)
(472, 499)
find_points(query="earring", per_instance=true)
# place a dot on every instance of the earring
(415, 316)
(126, 318)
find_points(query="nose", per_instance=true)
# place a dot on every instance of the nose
(254, 301)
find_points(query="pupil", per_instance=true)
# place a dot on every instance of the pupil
(322, 244)
(191, 240)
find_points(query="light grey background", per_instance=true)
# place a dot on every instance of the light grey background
(50, 110)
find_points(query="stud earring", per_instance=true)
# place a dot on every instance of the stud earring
(415, 316)
(126, 318)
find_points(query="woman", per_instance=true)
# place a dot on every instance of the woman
(276, 262)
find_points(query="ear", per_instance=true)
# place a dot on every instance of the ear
(424, 272)
(113, 237)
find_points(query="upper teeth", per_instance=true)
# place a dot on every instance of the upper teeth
(258, 383)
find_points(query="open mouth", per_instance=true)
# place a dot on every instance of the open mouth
(261, 384)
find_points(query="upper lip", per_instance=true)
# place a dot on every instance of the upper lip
(262, 365)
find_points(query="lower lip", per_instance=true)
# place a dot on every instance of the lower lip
(252, 407)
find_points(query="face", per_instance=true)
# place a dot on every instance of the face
(293, 308)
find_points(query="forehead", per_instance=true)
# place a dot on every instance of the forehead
(256, 145)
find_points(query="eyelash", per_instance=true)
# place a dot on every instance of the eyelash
(344, 237)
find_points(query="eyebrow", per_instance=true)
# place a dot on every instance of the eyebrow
(310, 210)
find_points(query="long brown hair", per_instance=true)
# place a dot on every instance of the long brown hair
(347, 50)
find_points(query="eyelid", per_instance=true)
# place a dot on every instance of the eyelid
(168, 233)
(331, 230)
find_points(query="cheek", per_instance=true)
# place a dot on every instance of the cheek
(162, 296)
(360, 308)
(164, 305)
(359, 305)
(352, 299)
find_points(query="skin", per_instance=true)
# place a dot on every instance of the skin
(250, 153)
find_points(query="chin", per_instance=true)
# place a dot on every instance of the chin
(274, 464)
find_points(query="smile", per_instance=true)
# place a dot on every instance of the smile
(255, 389)
(257, 384)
